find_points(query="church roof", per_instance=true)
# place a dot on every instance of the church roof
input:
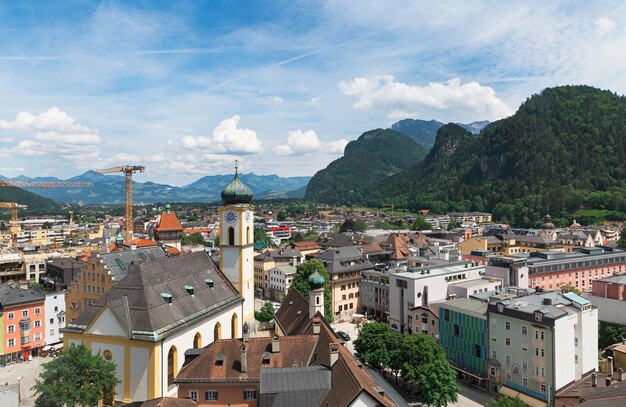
(168, 221)
(236, 192)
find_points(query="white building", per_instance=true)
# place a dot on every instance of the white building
(55, 315)
(428, 284)
(540, 343)
(279, 281)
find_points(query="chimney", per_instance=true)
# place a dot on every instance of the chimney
(133, 245)
(621, 374)
(610, 365)
(608, 381)
(244, 358)
(317, 326)
(245, 335)
(275, 344)
(334, 353)
(594, 380)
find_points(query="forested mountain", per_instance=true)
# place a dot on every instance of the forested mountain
(425, 131)
(562, 151)
(374, 156)
(36, 204)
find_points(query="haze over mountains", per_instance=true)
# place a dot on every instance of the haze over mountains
(425, 131)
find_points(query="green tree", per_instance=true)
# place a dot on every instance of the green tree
(300, 282)
(193, 239)
(505, 401)
(266, 313)
(373, 344)
(609, 333)
(420, 224)
(621, 243)
(568, 288)
(75, 378)
(282, 215)
(453, 225)
(260, 235)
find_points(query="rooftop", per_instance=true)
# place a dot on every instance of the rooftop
(466, 305)
(438, 270)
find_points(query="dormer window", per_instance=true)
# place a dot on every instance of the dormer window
(189, 289)
(538, 316)
(219, 361)
(500, 307)
(266, 358)
(167, 297)
(209, 282)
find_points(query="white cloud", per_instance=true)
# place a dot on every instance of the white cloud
(304, 142)
(604, 26)
(51, 119)
(384, 92)
(227, 138)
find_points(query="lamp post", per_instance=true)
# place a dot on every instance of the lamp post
(19, 390)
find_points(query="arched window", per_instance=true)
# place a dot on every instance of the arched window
(197, 341)
(172, 361)
(231, 236)
(233, 326)
(217, 332)
(249, 236)
(317, 300)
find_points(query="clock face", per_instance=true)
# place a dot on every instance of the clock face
(231, 217)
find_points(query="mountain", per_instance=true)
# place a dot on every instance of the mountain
(425, 132)
(110, 188)
(36, 204)
(374, 156)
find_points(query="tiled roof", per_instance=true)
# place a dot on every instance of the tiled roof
(11, 294)
(168, 221)
(141, 243)
(168, 402)
(293, 314)
(138, 303)
(344, 259)
(306, 246)
(117, 263)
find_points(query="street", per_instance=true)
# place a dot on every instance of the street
(28, 371)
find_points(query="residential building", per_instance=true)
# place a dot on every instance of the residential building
(345, 265)
(433, 283)
(168, 231)
(55, 315)
(101, 272)
(471, 217)
(279, 281)
(374, 292)
(148, 319)
(550, 270)
(424, 319)
(540, 343)
(270, 259)
(463, 334)
(22, 322)
(609, 295)
(306, 248)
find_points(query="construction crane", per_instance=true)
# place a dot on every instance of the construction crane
(392, 206)
(15, 227)
(22, 184)
(128, 171)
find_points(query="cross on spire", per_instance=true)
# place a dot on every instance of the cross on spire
(236, 165)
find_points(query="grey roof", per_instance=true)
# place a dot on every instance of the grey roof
(12, 294)
(138, 304)
(384, 384)
(535, 302)
(466, 305)
(117, 263)
(616, 279)
(344, 259)
(294, 386)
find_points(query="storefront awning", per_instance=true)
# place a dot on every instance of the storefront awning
(531, 401)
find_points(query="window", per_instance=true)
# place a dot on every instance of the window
(507, 341)
(11, 342)
(446, 314)
(538, 316)
(231, 236)
(171, 366)
(477, 350)
(507, 325)
(340, 308)
(525, 347)
(25, 313)
(524, 365)
(542, 387)
(575, 358)
(11, 328)
(525, 382)
(539, 335)
(508, 359)
(575, 341)
(38, 337)
(494, 354)
(51, 332)
(456, 330)
(508, 375)
(343, 297)
(37, 323)
(11, 315)
(197, 341)
(193, 395)
(210, 395)
(524, 330)
(492, 371)
(493, 339)
(52, 320)
(249, 394)
(37, 311)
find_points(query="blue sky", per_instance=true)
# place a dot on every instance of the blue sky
(184, 88)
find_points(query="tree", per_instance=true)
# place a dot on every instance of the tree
(505, 401)
(75, 378)
(420, 223)
(266, 313)
(282, 215)
(454, 224)
(348, 225)
(300, 282)
(609, 333)
(192, 239)
(260, 235)
(568, 288)
(373, 344)
(621, 243)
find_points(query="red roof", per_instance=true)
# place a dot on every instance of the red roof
(172, 250)
(168, 221)
(196, 230)
(141, 243)
(306, 245)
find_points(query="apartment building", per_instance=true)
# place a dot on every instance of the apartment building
(279, 281)
(609, 295)
(55, 315)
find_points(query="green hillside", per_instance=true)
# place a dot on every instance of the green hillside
(564, 150)
(374, 156)
(36, 204)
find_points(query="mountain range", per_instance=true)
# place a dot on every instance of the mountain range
(111, 189)
(425, 131)
(563, 150)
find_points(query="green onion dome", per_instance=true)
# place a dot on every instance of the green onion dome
(316, 281)
(236, 192)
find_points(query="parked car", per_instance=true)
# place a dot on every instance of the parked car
(343, 335)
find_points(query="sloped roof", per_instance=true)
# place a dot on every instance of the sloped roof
(141, 243)
(11, 294)
(137, 301)
(297, 386)
(306, 245)
(345, 259)
(168, 222)
(293, 313)
(117, 263)
(169, 402)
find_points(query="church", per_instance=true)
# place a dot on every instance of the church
(164, 306)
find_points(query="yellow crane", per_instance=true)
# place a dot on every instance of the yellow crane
(15, 227)
(128, 171)
(21, 184)
(392, 206)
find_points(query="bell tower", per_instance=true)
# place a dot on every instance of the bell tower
(237, 241)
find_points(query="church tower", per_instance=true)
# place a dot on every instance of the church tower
(237, 241)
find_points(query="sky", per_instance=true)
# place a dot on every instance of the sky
(185, 88)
